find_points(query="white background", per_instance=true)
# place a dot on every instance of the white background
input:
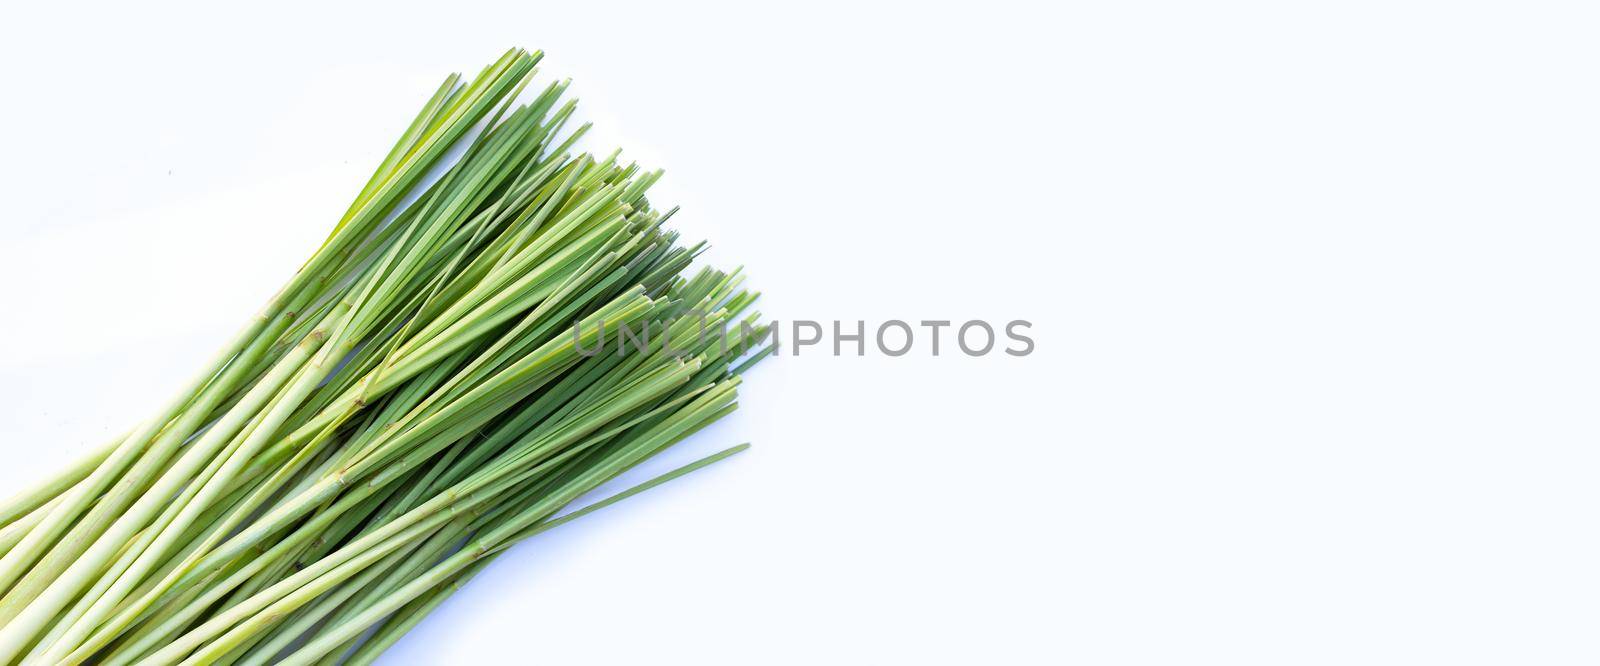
(1313, 287)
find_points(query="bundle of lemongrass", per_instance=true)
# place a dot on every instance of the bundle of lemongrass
(433, 386)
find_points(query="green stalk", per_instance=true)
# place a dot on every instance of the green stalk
(124, 558)
(202, 491)
(27, 501)
(368, 210)
(277, 559)
(408, 617)
(25, 625)
(425, 429)
(261, 611)
(13, 533)
(416, 386)
(464, 564)
(16, 561)
(280, 638)
(350, 560)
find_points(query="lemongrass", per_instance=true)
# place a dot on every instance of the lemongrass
(434, 385)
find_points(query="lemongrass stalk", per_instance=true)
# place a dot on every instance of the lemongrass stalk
(27, 501)
(237, 500)
(207, 489)
(256, 613)
(281, 449)
(292, 593)
(423, 558)
(328, 514)
(13, 533)
(324, 522)
(264, 608)
(463, 563)
(266, 645)
(24, 625)
(408, 140)
(412, 613)
(147, 465)
(280, 638)
(531, 371)
(41, 541)
(164, 622)
(243, 500)
(400, 370)
(215, 528)
(173, 526)
(243, 578)
(167, 625)
(416, 152)
(101, 609)
(231, 628)
(404, 620)
(364, 594)
(468, 109)
(317, 544)
(19, 560)
(287, 506)
(124, 558)
(322, 516)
